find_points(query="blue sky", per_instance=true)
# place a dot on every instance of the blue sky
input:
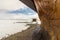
(26, 11)
(10, 9)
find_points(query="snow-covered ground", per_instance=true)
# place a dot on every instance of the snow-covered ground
(8, 27)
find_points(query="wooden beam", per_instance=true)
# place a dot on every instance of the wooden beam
(29, 3)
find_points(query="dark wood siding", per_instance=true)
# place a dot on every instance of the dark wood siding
(29, 3)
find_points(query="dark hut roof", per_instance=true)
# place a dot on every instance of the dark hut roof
(29, 3)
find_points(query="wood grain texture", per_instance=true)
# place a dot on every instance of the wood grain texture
(49, 14)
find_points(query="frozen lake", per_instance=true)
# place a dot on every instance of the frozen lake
(8, 27)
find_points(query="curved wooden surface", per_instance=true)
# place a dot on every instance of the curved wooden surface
(49, 14)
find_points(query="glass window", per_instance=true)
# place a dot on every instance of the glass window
(14, 16)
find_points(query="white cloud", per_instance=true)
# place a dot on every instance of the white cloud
(11, 4)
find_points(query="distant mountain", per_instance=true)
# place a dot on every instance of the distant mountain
(26, 11)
